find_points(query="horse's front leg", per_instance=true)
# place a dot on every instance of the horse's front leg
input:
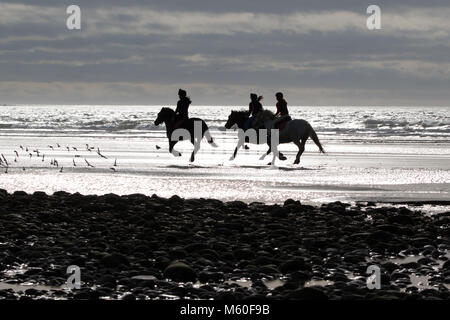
(240, 143)
(275, 151)
(172, 150)
(281, 156)
(266, 154)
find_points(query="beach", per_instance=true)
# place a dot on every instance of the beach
(143, 224)
(373, 154)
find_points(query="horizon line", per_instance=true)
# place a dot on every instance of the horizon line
(208, 105)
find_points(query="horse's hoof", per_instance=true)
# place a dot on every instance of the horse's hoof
(262, 157)
(282, 158)
(296, 162)
(269, 164)
(232, 158)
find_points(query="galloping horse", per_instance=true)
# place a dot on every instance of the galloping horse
(239, 118)
(167, 116)
(296, 131)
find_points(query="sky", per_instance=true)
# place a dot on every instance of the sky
(140, 52)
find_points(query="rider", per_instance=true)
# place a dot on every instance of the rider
(181, 113)
(254, 108)
(282, 110)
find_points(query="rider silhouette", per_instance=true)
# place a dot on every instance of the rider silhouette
(254, 108)
(282, 111)
(181, 112)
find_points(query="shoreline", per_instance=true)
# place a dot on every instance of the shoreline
(127, 247)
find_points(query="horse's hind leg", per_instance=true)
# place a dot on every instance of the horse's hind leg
(301, 149)
(196, 148)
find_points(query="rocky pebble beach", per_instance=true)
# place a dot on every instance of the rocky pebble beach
(137, 247)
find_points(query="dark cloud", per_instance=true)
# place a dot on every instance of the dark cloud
(123, 56)
(280, 6)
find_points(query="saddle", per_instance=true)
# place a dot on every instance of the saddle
(178, 124)
(281, 123)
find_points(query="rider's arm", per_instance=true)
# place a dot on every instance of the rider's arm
(178, 109)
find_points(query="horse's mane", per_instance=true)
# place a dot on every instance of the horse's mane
(240, 111)
(167, 109)
(266, 115)
(263, 117)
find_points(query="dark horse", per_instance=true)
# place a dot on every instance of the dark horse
(295, 131)
(188, 126)
(239, 118)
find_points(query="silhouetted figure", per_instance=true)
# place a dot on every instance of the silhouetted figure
(255, 107)
(181, 112)
(167, 116)
(282, 112)
(282, 109)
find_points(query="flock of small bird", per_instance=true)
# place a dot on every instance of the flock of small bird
(26, 152)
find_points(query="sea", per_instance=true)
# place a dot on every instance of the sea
(380, 154)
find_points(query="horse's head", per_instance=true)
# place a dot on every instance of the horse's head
(166, 114)
(238, 118)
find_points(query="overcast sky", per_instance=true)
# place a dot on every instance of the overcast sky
(142, 52)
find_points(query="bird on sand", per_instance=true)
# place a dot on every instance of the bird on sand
(99, 153)
(4, 159)
(89, 165)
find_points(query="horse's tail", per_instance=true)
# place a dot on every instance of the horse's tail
(208, 135)
(316, 140)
